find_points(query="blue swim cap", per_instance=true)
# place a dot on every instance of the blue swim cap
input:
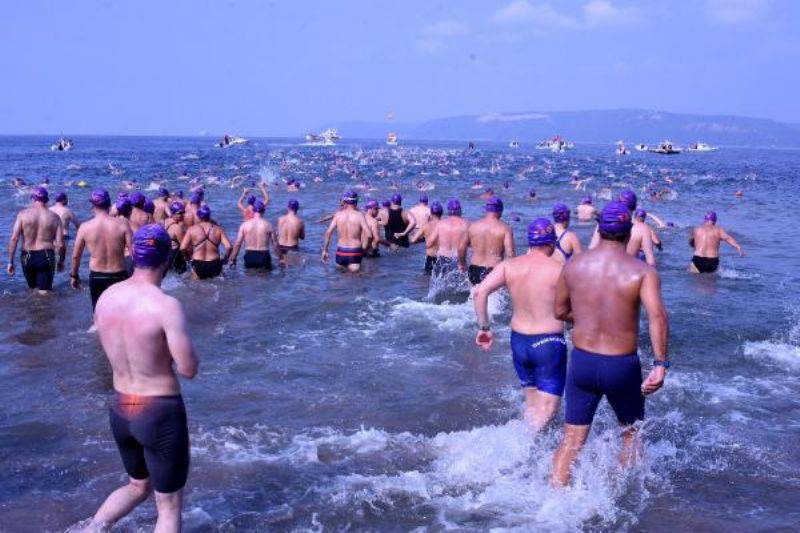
(61, 197)
(197, 196)
(151, 246)
(423, 199)
(40, 194)
(711, 216)
(541, 233)
(628, 197)
(251, 200)
(138, 199)
(494, 205)
(100, 199)
(453, 207)
(397, 199)
(372, 204)
(177, 208)
(640, 213)
(587, 200)
(124, 207)
(561, 213)
(386, 203)
(615, 219)
(259, 206)
(350, 197)
(437, 209)
(294, 205)
(149, 206)
(204, 213)
(163, 192)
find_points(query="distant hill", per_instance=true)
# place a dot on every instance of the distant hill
(630, 125)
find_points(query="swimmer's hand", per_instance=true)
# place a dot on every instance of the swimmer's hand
(325, 256)
(485, 339)
(654, 380)
(399, 235)
(75, 281)
(11, 268)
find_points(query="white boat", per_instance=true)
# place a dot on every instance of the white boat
(621, 150)
(666, 148)
(391, 139)
(556, 144)
(231, 140)
(641, 147)
(701, 147)
(63, 145)
(513, 144)
(328, 137)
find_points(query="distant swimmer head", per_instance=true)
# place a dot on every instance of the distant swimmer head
(640, 214)
(494, 205)
(437, 209)
(61, 198)
(40, 194)
(586, 200)
(197, 197)
(177, 208)
(711, 216)
(386, 203)
(151, 246)
(138, 199)
(100, 199)
(122, 194)
(259, 206)
(179, 194)
(251, 200)
(628, 197)
(397, 199)
(149, 206)
(614, 222)
(541, 233)
(454, 207)
(350, 198)
(561, 213)
(163, 192)
(293, 205)
(531, 193)
(423, 199)
(124, 207)
(204, 213)
(372, 204)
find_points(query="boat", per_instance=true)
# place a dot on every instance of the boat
(63, 145)
(641, 147)
(513, 144)
(391, 139)
(666, 148)
(621, 150)
(328, 137)
(701, 147)
(231, 140)
(556, 144)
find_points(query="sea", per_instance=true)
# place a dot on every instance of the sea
(336, 402)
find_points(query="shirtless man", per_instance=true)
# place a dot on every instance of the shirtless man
(107, 238)
(247, 201)
(705, 241)
(640, 244)
(586, 211)
(353, 235)
(431, 248)
(421, 213)
(42, 235)
(451, 238)
(567, 243)
(201, 243)
(491, 240)
(399, 224)
(143, 333)
(65, 214)
(640, 217)
(291, 230)
(257, 236)
(162, 206)
(537, 336)
(195, 202)
(176, 230)
(139, 217)
(601, 291)
(373, 248)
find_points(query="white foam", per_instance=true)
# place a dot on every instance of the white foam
(731, 273)
(777, 353)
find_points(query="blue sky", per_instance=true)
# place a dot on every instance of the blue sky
(258, 67)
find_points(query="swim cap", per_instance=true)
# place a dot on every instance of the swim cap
(294, 205)
(204, 213)
(532, 193)
(541, 233)
(372, 204)
(453, 207)
(138, 199)
(100, 199)
(151, 246)
(350, 197)
(197, 196)
(711, 216)
(40, 194)
(628, 197)
(437, 209)
(494, 205)
(149, 206)
(61, 197)
(121, 195)
(561, 213)
(386, 203)
(177, 208)
(251, 200)
(587, 200)
(259, 206)
(615, 219)
(397, 199)
(163, 192)
(124, 207)
(423, 199)
(640, 213)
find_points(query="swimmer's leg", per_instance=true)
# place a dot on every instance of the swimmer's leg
(540, 407)
(169, 511)
(122, 501)
(571, 445)
(354, 267)
(632, 449)
(692, 269)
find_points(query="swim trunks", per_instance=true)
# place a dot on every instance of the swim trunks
(258, 259)
(477, 273)
(349, 256)
(207, 269)
(152, 438)
(540, 361)
(39, 267)
(705, 264)
(430, 262)
(284, 249)
(100, 281)
(591, 376)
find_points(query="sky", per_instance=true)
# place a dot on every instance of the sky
(287, 67)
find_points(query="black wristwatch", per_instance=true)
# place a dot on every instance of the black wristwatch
(484, 328)
(665, 364)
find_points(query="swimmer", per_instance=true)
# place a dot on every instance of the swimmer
(640, 244)
(706, 240)
(176, 229)
(485, 195)
(108, 238)
(139, 217)
(537, 337)
(246, 201)
(65, 214)
(201, 243)
(195, 202)
(601, 291)
(257, 236)
(451, 238)
(42, 236)
(291, 230)
(421, 213)
(353, 235)
(586, 211)
(531, 195)
(373, 248)
(143, 333)
(567, 243)
(399, 224)
(431, 248)
(491, 240)
(162, 206)
(383, 213)
(640, 217)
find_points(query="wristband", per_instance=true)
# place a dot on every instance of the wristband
(665, 364)
(485, 328)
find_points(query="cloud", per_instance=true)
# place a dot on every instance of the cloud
(604, 13)
(594, 14)
(735, 11)
(446, 28)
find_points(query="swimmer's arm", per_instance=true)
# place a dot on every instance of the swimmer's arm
(186, 244)
(302, 234)
(657, 220)
(432, 240)
(60, 246)
(237, 245)
(366, 233)
(508, 244)
(77, 253)
(730, 240)
(575, 241)
(226, 243)
(412, 223)
(178, 342)
(128, 239)
(418, 236)
(264, 193)
(328, 235)
(480, 294)
(463, 245)
(240, 202)
(376, 234)
(595, 239)
(12, 243)
(563, 305)
(650, 294)
(647, 248)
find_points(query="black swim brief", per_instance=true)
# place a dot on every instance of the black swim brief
(39, 267)
(430, 262)
(705, 264)
(284, 249)
(477, 273)
(100, 281)
(207, 269)
(258, 259)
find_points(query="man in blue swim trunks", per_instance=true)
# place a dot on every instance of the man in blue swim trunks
(353, 234)
(602, 291)
(537, 336)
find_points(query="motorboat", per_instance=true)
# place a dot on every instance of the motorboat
(701, 147)
(328, 137)
(63, 145)
(556, 144)
(641, 147)
(513, 144)
(231, 140)
(666, 148)
(391, 139)
(621, 149)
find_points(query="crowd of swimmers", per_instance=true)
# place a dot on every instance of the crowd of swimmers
(135, 242)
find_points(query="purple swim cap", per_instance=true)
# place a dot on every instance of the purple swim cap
(122, 194)
(532, 193)
(711, 216)
(453, 207)
(251, 200)
(541, 233)
(61, 197)
(204, 213)
(259, 206)
(177, 208)
(640, 213)
(615, 219)
(151, 246)
(423, 199)
(628, 197)
(100, 199)
(124, 207)
(294, 205)
(587, 200)
(397, 199)
(40, 194)
(163, 192)
(494, 205)
(561, 213)
(138, 199)
(386, 203)
(179, 194)
(437, 209)
(350, 197)
(149, 206)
